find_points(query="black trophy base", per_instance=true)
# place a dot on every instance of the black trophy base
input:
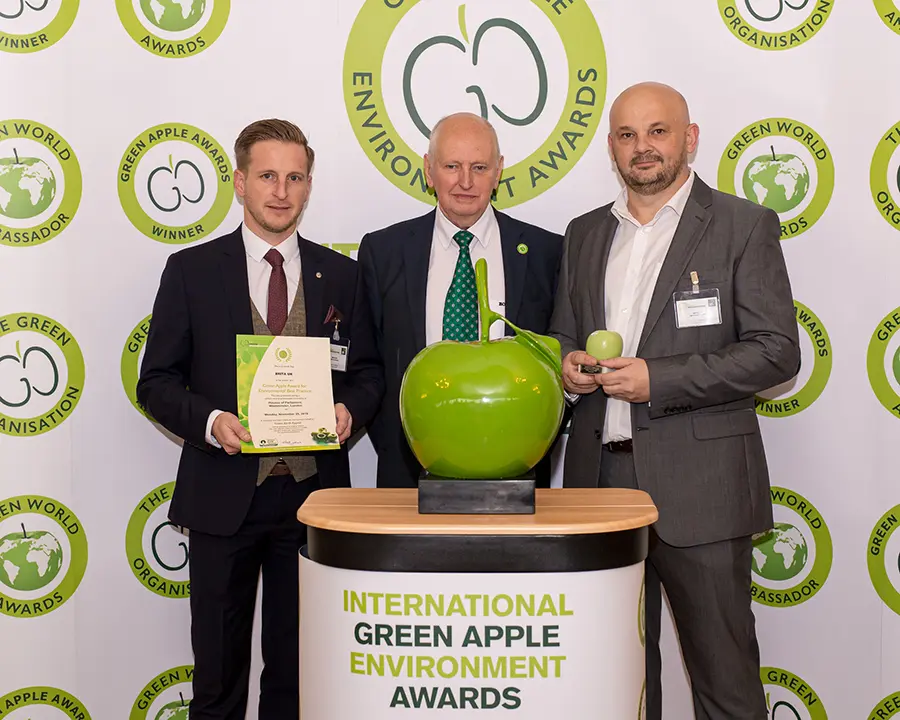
(453, 496)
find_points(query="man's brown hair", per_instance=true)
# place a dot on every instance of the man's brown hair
(272, 129)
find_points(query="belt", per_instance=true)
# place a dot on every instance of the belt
(619, 446)
(281, 468)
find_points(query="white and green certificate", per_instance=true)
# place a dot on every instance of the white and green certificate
(284, 393)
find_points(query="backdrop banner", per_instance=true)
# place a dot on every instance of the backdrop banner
(117, 124)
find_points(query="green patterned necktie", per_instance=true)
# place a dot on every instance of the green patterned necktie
(461, 305)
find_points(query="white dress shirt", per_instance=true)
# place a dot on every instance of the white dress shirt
(258, 273)
(635, 259)
(442, 265)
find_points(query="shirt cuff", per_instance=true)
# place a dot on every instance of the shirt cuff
(209, 423)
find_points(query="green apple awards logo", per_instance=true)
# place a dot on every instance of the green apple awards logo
(775, 24)
(883, 362)
(40, 183)
(776, 404)
(175, 183)
(27, 26)
(43, 555)
(132, 355)
(68, 705)
(886, 708)
(791, 562)
(884, 176)
(889, 13)
(174, 28)
(789, 697)
(165, 697)
(884, 558)
(783, 165)
(156, 548)
(41, 374)
(409, 63)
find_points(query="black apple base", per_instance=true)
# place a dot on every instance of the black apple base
(476, 496)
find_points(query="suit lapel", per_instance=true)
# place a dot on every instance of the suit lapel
(314, 279)
(233, 267)
(601, 241)
(694, 221)
(416, 254)
(515, 266)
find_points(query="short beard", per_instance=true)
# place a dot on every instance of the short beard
(667, 174)
(271, 228)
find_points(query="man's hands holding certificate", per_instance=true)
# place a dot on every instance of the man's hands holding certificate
(229, 432)
(628, 379)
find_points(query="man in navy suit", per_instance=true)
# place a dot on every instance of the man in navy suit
(416, 270)
(241, 510)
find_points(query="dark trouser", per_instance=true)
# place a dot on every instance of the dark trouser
(224, 575)
(708, 587)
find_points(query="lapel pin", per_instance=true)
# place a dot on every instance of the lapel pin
(319, 275)
(523, 248)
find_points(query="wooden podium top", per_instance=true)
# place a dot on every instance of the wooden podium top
(564, 511)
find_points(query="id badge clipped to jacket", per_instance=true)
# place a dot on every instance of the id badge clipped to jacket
(696, 307)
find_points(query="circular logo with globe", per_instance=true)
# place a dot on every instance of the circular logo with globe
(407, 64)
(41, 374)
(43, 555)
(165, 697)
(883, 362)
(889, 12)
(132, 356)
(174, 28)
(792, 561)
(67, 704)
(883, 558)
(786, 400)
(774, 24)
(28, 26)
(157, 550)
(783, 165)
(789, 697)
(40, 183)
(884, 176)
(175, 183)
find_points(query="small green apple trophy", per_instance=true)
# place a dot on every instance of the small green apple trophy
(480, 415)
(602, 345)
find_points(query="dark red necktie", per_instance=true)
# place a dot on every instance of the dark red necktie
(277, 308)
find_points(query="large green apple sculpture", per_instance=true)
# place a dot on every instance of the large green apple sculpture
(486, 409)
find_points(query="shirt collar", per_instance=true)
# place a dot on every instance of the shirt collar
(257, 248)
(446, 229)
(676, 203)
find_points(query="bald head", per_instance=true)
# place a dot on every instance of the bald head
(651, 136)
(465, 124)
(653, 98)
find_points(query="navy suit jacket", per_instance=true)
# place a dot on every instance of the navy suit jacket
(394, 269)
(189, 369)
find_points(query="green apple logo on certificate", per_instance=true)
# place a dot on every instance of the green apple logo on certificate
(284, 393)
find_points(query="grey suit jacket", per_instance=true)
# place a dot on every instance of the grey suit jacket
(698, 451)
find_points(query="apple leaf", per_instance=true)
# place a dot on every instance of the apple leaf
(18, 351)
(462, 23)
(170, 164)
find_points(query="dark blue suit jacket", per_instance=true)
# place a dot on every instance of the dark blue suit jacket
(189, 369)
(394, 267)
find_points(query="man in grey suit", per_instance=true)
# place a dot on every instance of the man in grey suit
(695, 283)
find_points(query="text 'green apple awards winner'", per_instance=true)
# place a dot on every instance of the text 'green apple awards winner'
(284, 393)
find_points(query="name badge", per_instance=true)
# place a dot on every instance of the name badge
(340, 349)
(696, 307)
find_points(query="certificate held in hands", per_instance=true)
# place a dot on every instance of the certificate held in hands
(284, 393)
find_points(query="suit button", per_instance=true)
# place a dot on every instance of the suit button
(598, 434)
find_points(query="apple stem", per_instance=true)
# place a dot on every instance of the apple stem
(16, 153)
(488, 316)
(181, 695)
(24, 532)
(772, 148)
